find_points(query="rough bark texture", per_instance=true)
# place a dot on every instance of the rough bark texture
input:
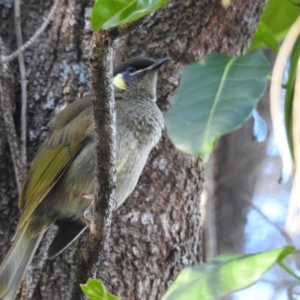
(157, 230)
(101, 61)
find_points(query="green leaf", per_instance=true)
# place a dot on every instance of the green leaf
(289, 95)
(112, 13)
(95, 290)
(295, 2)
(266, 38)
(215, 96)
(277, 19)
(223, 275)
(288, 270)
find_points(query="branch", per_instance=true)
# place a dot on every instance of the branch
(6, 78)
(33, 38)
(104, 106)
(6, 92)
(104, 116)
(23, 85)
(283, 232)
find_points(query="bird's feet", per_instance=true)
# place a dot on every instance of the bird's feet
(88, 213)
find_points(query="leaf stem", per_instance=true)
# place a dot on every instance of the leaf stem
(288, 270)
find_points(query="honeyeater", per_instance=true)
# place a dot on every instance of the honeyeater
(62, 172)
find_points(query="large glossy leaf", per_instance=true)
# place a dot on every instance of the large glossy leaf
(224, 275)
(112, 13)
(95, 290)
(274, 24)
(215, 96)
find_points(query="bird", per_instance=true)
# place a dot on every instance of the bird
(61, 174)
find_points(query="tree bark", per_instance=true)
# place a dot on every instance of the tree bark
(157, 231)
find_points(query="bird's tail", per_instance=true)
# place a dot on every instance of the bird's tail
(16, 262)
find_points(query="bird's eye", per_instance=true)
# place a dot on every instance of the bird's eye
(131, 69)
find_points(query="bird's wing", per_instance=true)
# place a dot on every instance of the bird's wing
(53, 158)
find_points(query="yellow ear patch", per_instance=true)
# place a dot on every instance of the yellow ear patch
(119, 82)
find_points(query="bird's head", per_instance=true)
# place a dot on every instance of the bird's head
(138, 75)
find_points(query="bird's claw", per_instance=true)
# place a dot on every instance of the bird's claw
(88, 213)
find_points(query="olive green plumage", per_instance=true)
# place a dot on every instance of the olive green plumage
(64, 166)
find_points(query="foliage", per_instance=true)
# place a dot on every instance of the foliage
(111, 13)
(95, 290)
(225, 274)
(215, 96)
(274, 24)
(289, 95)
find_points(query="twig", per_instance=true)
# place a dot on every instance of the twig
(34, 37)
(104, 116)
(288, 270)
(23, 84)
(6, 78)
(283, 233)
(6, 92)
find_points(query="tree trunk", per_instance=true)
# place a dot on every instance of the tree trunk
(157, 231)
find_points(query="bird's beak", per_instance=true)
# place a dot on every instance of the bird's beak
(159, 63)
(154, 67)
